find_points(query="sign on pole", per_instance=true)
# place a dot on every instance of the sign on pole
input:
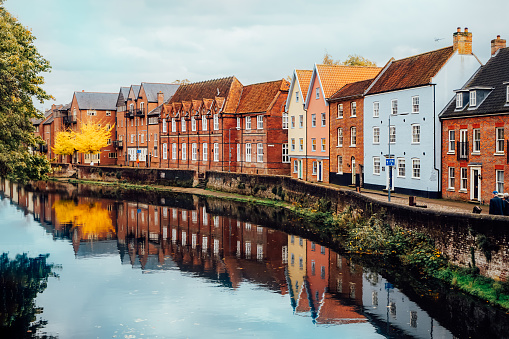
(390, 162)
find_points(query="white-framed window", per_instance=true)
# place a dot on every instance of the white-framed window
(194, 151)
(376, 135)
(259, 152)
(452, 141)
(285, 120)
(315, 167)
(142, 138)
(313, 120)
(376, 165)
(259, 122)
(392, 134)
(286, 157)
(323, 145)
(293, 121)
(340, 164)
(132, 138)
(459, 100)
(183, 124)
(216, 122)
(416, 168)
(173, 124)
(108, 113)
(301, 121)
(376, 109)
(318, 93)
(165, 151)
(476, 137)
(340, 137)
(473, 99)
(415, 104)
(340, 111)
(296, 96)
(295, 166)
(313, 144)
(292, 140)
(248, 123)
(193, 124)
(164, 126)
(416, 134)
(324, 119)
(184, 151)
(239, 120)
(204, 125)
(216, 152)
(174, 151)
(452, 178)
(401, 167)
(353, 109)
(464, 178)
(248, 152)
(205, 151)
(507, 93)
(499, 133)
(394, 106)
(301, 144)
(238, 152)
(353, 136)
(91, 112)
(499, 175)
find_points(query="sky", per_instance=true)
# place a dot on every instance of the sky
(101, 45)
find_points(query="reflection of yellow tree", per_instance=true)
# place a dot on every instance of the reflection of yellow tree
(93, 221)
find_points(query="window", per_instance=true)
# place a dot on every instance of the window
(376, 135)
(174, 151)
(296, 96)
(313, 144)
(112, 155)
(259, 122)
(353, 136)
(324, 121)
(500, 181)
(340, 111)
(353, 109)
(165, 151)
(132, 138)
(301, 121)
(259, 152)
(142, 138)
(216, 151)
(295, 166)
(293, 144)
(507, 94)
(286, 158)
(204, 123)
(314, 167)
(415, 104)
(476, 147)
(416, 134)
(473, 99)
(193, 124)
(340, 137)
(376, 165)
(108, 113)
(108, 141)
(285, 121)
(216, 122)
(91, 112)
(376, 109)
(401, 167)
(293, 122)
(392, 134)
(301, 144)
(459, 100)
(239, 121)
(500, 139)
(452, 178)
(318, 93)
(238, 152)
(194, 152)
(323, 145)
(173, 125)
(248, 152)
(340, 164)
(313, 120)
(394, 106)
(205, 152)
(452, 140)
(164, 125)
(416, 168)
(183, 124)
(184, 151)
(248, 123)
(464, 179)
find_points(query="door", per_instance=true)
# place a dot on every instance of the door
(353, 171)
(300, 169)
(387, 170)
(475, 184)
(320, 168)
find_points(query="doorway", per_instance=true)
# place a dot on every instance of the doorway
(475, 183)
(353, 171)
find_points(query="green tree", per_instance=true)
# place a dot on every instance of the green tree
(20, 83)
(352, 60)
(182, 82)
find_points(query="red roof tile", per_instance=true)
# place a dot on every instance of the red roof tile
(334, 77)
(259, 97)
(304, 77)
(352, 90)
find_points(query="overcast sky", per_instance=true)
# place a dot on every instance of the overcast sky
(100, 45)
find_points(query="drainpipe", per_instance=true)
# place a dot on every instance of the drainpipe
(439, 179)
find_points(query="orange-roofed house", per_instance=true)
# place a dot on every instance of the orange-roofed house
(325, 81)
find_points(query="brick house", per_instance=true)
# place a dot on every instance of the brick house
(346, 110)
(474, 124)
(120, 142)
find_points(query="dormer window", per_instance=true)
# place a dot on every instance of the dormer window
(473, 99)
(459, 100)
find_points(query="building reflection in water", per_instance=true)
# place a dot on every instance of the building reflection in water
(322, 285)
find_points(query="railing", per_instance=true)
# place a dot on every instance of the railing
(140, 112)
(69, 120)
(130, 114)
(118, 143)
(462, 147)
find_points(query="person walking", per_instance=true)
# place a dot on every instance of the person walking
(496, 205)
(506, 203)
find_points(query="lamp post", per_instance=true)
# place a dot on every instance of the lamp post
(389, 162)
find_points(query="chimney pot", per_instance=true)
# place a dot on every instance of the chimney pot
(497, 44)
(462, 41)
(466, 29)
(458, 29)
(498, 36)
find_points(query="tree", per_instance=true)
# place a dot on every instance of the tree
(182, 82)
(352, 60)
(20, 82)
(64, 143)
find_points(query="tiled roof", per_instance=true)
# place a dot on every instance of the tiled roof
(136, 90)
(93, 100)
(351, 90)
(304, 77)
(259, 97)
(494, 75)
(333, 78)
(203, 90)
(151, 90)
(411, 72)
(122, 96)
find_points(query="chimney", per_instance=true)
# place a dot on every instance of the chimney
(160, 98)
(497, 44)
(462, 41)
(53, 106)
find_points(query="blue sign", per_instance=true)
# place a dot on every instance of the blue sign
(390, 162)
(388, 286)
(138, 151)
(139, 210)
